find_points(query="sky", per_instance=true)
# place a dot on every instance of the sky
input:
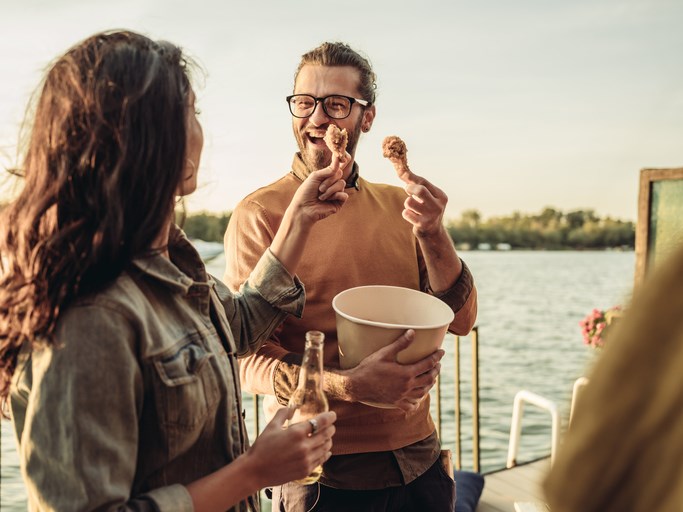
(505, 105)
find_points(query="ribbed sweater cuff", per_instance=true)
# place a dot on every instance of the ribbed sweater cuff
(457, 295)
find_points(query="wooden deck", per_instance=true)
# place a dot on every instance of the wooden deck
(519, 484)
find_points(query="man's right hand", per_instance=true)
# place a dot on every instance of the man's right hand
(380, 378)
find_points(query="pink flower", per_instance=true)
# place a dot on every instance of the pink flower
(595, 324)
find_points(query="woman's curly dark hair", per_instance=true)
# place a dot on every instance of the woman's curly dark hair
(104, 158)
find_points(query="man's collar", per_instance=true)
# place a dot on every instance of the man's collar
(300, 170)
(352, 180)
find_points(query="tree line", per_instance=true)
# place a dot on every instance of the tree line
(209, 227)
(551, 229)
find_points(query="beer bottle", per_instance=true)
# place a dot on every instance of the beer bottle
(309, 398)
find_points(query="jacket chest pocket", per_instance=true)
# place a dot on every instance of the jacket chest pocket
(187, 392)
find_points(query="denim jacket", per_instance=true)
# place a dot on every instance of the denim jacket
(141, 396)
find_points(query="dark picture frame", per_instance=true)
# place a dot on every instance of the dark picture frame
(659, 229)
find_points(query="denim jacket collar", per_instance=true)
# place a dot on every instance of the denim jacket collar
(183, 270)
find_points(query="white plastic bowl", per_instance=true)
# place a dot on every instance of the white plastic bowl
(371, 317)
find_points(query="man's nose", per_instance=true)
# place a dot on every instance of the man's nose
(319, 117)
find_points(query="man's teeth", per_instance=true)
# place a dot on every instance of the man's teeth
(316, 138)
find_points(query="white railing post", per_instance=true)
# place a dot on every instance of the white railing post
(516, 427)
(579, 384)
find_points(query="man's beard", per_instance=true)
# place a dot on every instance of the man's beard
(316, 159)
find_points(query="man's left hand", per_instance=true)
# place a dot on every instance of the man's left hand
(425, 206)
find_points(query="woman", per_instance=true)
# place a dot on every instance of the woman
(117, 350)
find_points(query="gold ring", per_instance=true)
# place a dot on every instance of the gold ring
(314, 426)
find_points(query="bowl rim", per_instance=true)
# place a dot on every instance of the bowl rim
(387, 325)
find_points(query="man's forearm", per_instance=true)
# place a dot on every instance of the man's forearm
(337, 384)
(441, 259)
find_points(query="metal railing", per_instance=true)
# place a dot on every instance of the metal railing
(521, 398)
(525, 396)
(476, 462)
(579, 384)
(476, 457)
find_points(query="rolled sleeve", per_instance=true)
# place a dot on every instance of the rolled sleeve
(277, 286)
(462, 299)
(457, 295)
(286, 377)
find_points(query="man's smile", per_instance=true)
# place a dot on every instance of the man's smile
(315, 138)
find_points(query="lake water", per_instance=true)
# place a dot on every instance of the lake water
(530, 304)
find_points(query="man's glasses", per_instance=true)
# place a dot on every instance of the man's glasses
(334, 106)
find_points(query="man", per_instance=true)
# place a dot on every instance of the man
(382, 457)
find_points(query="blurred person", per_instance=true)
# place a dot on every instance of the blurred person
(383, 458)
(624, 448)
(117, 349)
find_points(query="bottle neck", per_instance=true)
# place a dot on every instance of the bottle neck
(311, 374)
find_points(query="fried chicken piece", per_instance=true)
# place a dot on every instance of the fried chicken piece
(395, 150)
(336, 140)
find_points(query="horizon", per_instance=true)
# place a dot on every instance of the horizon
(505, 107)
(484, 218)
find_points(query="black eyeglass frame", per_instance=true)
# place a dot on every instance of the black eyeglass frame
(362, 103)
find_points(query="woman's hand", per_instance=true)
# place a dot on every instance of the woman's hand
(277, 456)
(283, 454)
(322, 192)
(319, 196)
